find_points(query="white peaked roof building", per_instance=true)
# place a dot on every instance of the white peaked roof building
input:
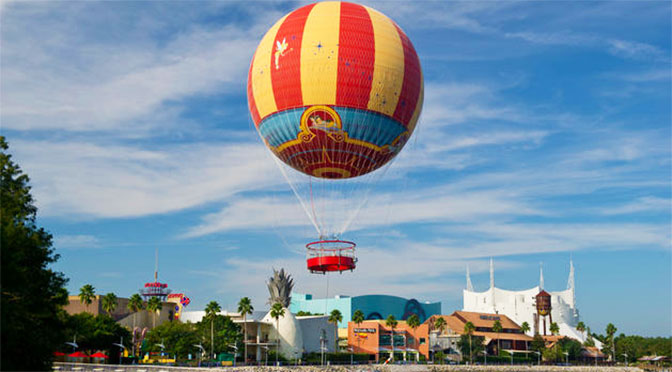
(520, 305)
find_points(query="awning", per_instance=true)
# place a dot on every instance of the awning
(99, 355)
(78, 354)
(58, 353)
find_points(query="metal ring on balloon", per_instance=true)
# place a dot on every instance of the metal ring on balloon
(331, 255)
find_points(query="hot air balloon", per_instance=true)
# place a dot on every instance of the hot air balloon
(335, 90)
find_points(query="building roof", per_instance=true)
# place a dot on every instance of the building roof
(456, 321)
(485, 320)
(543, 293)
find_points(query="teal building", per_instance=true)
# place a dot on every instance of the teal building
(373, 306)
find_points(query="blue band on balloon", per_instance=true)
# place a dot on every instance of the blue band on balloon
(368, 126)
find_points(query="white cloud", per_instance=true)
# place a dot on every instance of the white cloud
(641, 205)
(76, 242)
(58, 79)
(85, 179)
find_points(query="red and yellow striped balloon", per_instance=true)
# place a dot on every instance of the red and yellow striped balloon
(335, 89)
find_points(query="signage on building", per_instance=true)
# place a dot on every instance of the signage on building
(364, 330)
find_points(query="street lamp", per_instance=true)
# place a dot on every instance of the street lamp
(73, 344)
(566, 357)
(485, 357)
(351, 350)
(510, 352)
(202, 349)
(265, 348)
(538, 357)
(625, 358)
(121, 346)
(235, 353)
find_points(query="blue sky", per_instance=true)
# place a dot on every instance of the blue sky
(545, 134)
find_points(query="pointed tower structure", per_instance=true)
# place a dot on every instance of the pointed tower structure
(492, 285)
(470, 287)
(570, 285)
(541, 276)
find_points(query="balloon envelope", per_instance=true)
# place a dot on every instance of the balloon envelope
(335, 89)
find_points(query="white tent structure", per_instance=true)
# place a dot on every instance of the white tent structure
(520, 305)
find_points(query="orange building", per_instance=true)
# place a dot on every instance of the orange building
(375, 338)
(511, 338)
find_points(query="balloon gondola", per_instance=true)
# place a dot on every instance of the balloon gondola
(325, 256)
(335, 90)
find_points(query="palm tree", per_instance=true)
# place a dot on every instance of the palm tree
(413, 321)
(358, 318)
(245, 308)
(154, 305)
(554, 328)
(440, 323)
(611, 330)
(469, 329)
(211, 311)
(497, 328)
(135, 304)
(109, 303)
(335, 317)
(277, 311)
(86, 295)
(392, 323)
(525, 327)
(581, 327)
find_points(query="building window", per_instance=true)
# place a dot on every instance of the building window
(411, 341)
(422, 341)
(385, 340)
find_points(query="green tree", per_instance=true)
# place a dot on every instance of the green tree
(571, 346)
(469, 329)
(497, 328)
(608, 341)
(525, 327)
(153, 306)
(553, 354)
(178, 338)
(96, 332)
(581, 327)
(473, 344)
(86, 295)
(538, 343)
(440, 324)
(554, 328)
(245, 308)
(391, 322)
(226, 332)
(135, 304)
(211, 309)
(589, 339)
(109, 302)
(335, 317)
(358, 318)
(277, 312)
(413, 321)
(32, 319)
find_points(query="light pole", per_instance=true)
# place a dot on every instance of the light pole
(265, 348)
(73, 344)
(202, 349)
(625, 358)
(538, 357)
(566, 357)
(485, 357)
(511, 352)
(351, 355)
(121, 346)
(235, 353)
